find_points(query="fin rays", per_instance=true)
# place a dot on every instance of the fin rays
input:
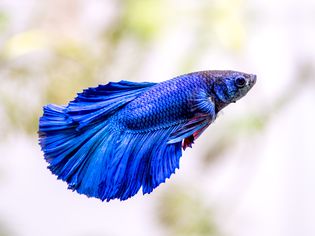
(83, 146)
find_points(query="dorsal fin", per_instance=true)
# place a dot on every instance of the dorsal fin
(102, 101)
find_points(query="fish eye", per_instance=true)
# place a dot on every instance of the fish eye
(240, 81)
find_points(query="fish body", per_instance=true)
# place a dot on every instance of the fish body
(114, 139)
(166, 103)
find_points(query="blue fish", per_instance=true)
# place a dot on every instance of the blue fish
(114, 139)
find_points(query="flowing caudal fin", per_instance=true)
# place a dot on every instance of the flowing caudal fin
(80, 142)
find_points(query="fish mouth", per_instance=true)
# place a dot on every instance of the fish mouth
(252, 80)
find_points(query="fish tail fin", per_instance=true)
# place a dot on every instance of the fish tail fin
(75, 156)
(79, 141)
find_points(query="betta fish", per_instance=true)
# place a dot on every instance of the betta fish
(114, 139)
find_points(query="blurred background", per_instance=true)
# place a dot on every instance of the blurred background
(251, 173)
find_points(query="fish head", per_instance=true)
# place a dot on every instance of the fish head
(230, 86)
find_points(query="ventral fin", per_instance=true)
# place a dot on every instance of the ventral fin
(204, 108)
(189, 128)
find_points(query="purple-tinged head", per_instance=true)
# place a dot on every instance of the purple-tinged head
(230, 86)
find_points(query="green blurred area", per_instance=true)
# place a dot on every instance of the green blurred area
(184, 213)
(4, 231)
(67, 64)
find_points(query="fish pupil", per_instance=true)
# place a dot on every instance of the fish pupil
(240, 81)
